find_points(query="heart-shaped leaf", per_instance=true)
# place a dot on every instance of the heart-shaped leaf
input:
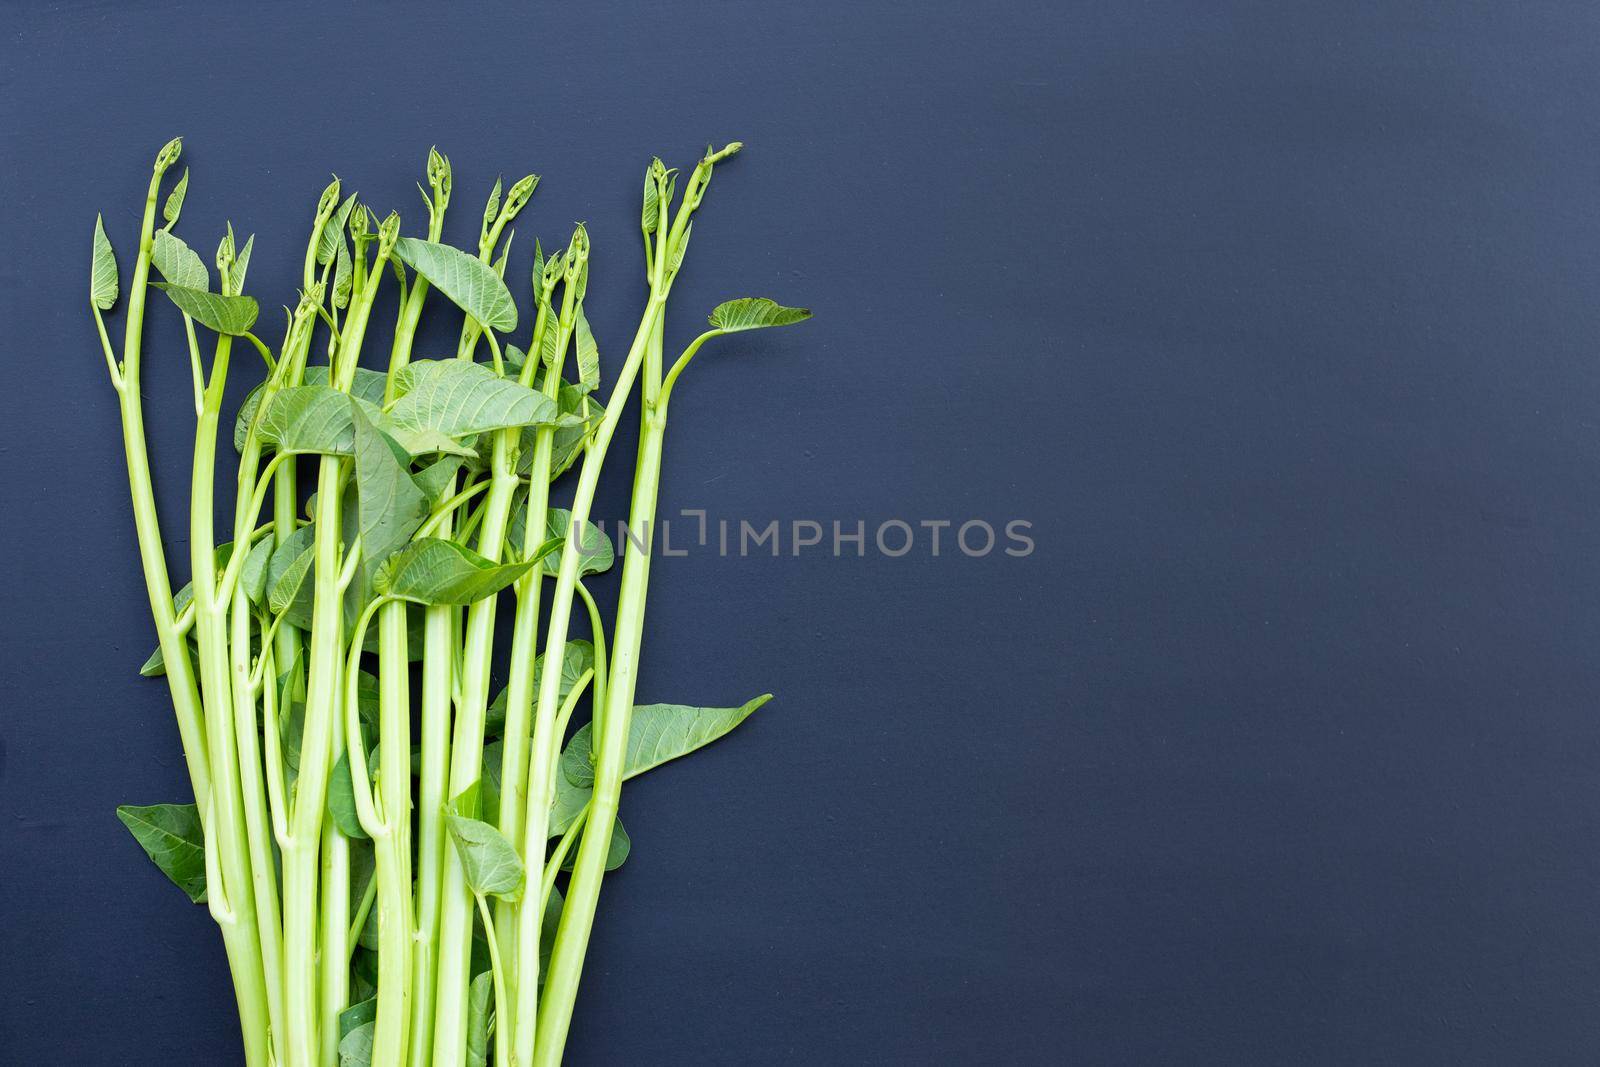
(491, 865)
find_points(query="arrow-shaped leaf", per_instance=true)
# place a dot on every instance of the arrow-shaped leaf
(170, 834)
(465, 279)
(437, 571)
(103, 274)
(225, 314)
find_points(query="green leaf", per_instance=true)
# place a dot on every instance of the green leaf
(292, 581)
(491, 207)
(549, 923)
(178, 263)
(308, 419)
(317, 419)
(480, 1018)
(367, 385)
(171, 836)
(103, 273)
(225, 314)
(489, 779)
(458, 398)
(342, 799)
(155, 666)
(332, 235)
(595, 552)
(588, 356)
(616, 852)
(569, 804)
(567, 444)
(648, 218)
(754, 313)
(438, 477)
(492, 867)
(391, 505)
(465, 279)
(253, 576)
(438, 571)
(174, 204)
(357, 1014)
(241, 263)
(355, 1048)
(549, 344)
(656, 733)
(288, 581)
(576, 658)
(363, 868)
(343, 276)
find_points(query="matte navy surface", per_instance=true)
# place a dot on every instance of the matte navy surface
(1278, 323)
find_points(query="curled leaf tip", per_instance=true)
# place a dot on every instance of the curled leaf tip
(519, 194)
(389, 231)
(169, 154)
(329, 199)
(731, 149)
(439, 172)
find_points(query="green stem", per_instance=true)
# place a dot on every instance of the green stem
(438, 680)
(529, 1020)
(228, 835)
(583, 891)
(502, 1048)
(319, 748)
(147, 526)
(393, 850)
(525, 629)
(466, 767)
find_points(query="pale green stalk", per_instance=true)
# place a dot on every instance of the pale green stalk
(612, 720)
(227, 835)
(392, 843)
(258, 824)
(317, 753)
(437, 681)
(454, 936)
(525, 629)
(466, 766)
(147, 526)
(541, 764)
(286, 500)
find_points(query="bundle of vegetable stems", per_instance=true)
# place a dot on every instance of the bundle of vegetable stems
(386, 870)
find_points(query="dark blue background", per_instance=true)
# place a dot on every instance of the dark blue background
(1277, 321)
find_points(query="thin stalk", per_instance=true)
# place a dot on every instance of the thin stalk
(614, 713)
(525, 628)
(317, 752)
(257, 808)
(392, 848)
(180, 675)
(583, 891)
(392, 851)
(466, 766)
(536, 819)
(451, 981)
(228, 835)
(438, 681)
(502, 1047)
